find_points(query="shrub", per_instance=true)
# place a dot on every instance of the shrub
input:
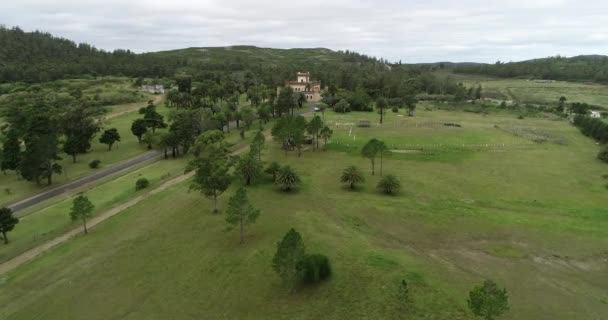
(313, 268)
(389, 184)
(603, 155)
(142, 183)
(94, 164)
(395, 109)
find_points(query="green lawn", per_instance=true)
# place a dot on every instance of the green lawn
(13, 188)
(533, 219)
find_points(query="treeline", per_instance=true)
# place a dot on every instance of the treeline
(592, 127)
(581, 68)
(39, 57)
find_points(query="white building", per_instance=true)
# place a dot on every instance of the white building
(155, 89)
(596, 114)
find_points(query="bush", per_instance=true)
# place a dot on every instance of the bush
(142, 183)
(313, 268)
(94, 164)
(389, 184)
(603, 155)
(395, 109)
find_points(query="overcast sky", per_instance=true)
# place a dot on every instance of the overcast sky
(407, 30)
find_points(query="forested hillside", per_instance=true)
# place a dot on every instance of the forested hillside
(40, 57)
(580, 68)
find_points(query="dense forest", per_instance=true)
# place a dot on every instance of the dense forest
(580, 68)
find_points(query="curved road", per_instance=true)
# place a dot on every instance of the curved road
(36, 199)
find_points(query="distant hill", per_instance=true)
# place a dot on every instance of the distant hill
(578, 68)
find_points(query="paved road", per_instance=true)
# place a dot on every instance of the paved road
(36, 199)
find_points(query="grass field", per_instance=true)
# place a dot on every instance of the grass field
(525, 91)
(13, 187)
(533, 219)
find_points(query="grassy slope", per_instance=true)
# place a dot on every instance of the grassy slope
(533, 219)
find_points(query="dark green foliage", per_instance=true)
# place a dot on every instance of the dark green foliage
(139, 128)
(488, 301)
(7, 222)
(50, 58)
(250, 167)
(109, 137)
(381, 106)
(141, 183)
(289, 130)
(389, 184)
(80, 125)
(290, 250)
(94, 164)
(240, 211)
(11, 151)
(153, 119)
(273, 169)
(313, 268)
(82, 209)
(372, 149)
(342, 106)
(582, 68)
(603, 154)
(352, 176)
(313, 127)
(286, 101)
(287, 178)
(41, 139)
(579, 108)
(592, 127)
(326, 134)
(212, 177)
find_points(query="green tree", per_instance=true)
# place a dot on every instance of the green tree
(285, 101)
(7, 222)
(80, 126)
(290, 251)
(342, 106)
(153, 119)
(314, 126)
(389, 184)
(109, 137)
(39, 160)
(352, 176)
(381, 106)
(287, 178)
(273, 169)
(240, 212)
(139, 128)
(150, 139)
(257, 145)
(326, 134)
(11, 151)
(301, 99)
(210, 143)
(488, 300)
(249, 167)
(371, 150)
(212, 177)
(248, 116)
(82, 209)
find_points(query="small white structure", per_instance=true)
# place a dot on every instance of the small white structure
(596, 114)
(154, 89)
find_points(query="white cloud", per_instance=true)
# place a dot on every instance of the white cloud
(412, 31)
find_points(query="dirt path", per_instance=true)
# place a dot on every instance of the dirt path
(38, 250)
(134, 107)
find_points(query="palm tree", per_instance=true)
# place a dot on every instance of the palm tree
(352, 176)
(326, 133)
(273, 169)
(390, 184)
(287, 178)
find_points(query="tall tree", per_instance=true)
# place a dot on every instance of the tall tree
(40, 157)
(370, 150)
(153, 119)
(290, 251)
(257, 145)
(381, 106)
(109, 137)
(80, 124)
(212, 177)
(250, 167)
(11, 151)
(326, 134)
(240, 212)
(139, 128)
(314, 126)
(285, 101)
(7, 222)
(82, 209)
